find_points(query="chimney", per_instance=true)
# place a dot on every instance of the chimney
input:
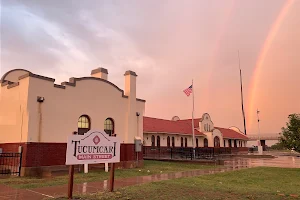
(131, 116)
(100, 73)
(130, 84)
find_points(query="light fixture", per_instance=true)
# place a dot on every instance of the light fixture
(40, 99)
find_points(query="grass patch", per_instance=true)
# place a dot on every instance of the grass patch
(154, 167)
(255, 183)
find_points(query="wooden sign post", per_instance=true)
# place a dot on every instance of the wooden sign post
(71, 181)
(91, 148)
(112, 177)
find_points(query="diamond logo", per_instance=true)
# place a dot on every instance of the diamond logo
(96, 140)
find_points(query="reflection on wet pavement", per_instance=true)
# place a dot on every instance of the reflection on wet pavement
(229, 165)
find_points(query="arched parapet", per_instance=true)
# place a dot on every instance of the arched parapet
(175, 118)
(12, 76)
(236, 129)
(206, 124)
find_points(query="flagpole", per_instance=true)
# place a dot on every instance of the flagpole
(193, 129)
(242, 98)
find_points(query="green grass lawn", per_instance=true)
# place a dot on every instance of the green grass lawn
(154, 167)
(255, 183)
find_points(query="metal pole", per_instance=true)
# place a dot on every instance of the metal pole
(193, 127)
(242, 98)
(258, 126)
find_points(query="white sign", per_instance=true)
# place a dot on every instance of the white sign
(92, 147)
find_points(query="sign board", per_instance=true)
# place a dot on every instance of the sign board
(92, 147)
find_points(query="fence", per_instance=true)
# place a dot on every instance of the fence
(187, 152)
(10, 163)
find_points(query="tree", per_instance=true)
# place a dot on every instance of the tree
(290, 135)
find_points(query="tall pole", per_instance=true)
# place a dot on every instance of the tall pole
(257, 112)
(242, 98)
(193, 129)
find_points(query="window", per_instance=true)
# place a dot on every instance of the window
(158, 141)
(185, 142)
(205, 142)
(84, 124)
(197, 144)
(173, 142)
(229, 143)
(152, 141)
(181, 141)
(216, 141)
(209, 127)
(224, 143)
(109, 127)
(168, 141)
(235, 143)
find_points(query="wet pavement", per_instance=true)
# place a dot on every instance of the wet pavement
(91, 187)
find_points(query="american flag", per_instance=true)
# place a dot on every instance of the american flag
(188, 90)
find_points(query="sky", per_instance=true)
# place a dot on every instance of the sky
(169, 44)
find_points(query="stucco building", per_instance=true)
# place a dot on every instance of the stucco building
(39, 115)
(178, 133)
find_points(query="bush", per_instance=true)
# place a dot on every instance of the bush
(277, 146)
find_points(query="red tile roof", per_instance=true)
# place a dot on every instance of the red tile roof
(228, 133)
(196, 121)
(184, 127)
(168, 126)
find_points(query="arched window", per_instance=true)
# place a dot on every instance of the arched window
(185, 142)
(152, 141)
(197, 144)
(205, 142)
(168, 141)
(173, 142)
(109, 127)
(84, 124)
(216, 141)
(158, 141)
(181, 141)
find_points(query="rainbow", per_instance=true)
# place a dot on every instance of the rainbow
(261, 58)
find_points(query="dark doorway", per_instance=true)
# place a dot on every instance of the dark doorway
(205, 142)
(158, 142)
(173, 142)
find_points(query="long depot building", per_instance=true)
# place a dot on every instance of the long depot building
(37, 116)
